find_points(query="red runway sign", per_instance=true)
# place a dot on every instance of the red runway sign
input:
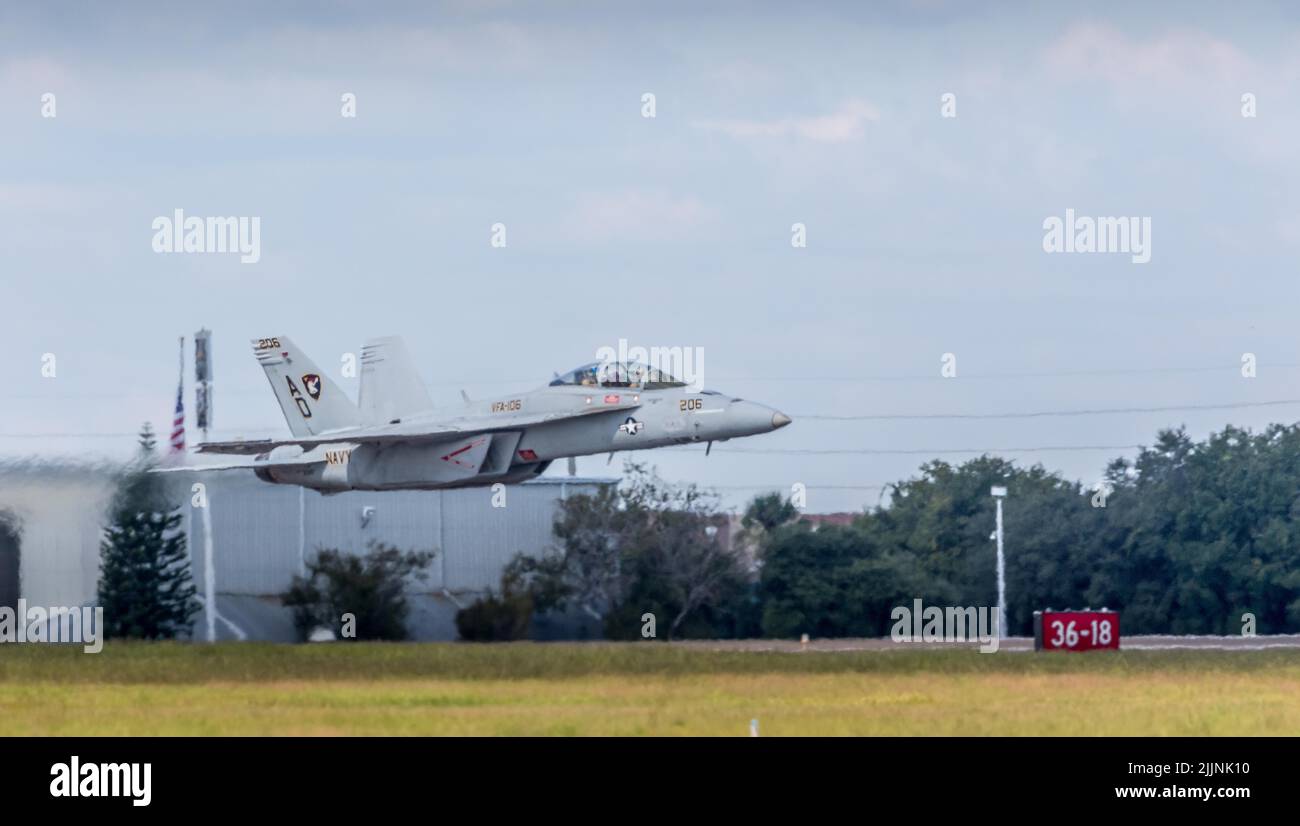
(1075, 630)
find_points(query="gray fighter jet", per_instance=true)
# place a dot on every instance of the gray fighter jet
(394, 439)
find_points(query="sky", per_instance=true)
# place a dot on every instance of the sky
(924, 232)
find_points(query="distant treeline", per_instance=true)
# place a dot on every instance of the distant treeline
(1192, 536)
(1185, 539)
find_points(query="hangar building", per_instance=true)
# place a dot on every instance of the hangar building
(52, 513)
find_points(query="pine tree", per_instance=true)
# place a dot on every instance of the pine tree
(147, 441)
(145, 587)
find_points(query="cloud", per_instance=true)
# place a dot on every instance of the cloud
(1287, 228)
(54, 197)
(1192, 78)
(844, 124)
(1182, 60)
(637, 215)
(494, 48)
(38, 72)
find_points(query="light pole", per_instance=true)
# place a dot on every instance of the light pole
(203, 418)
(999, 493)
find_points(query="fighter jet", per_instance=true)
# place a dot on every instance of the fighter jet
(394, 438)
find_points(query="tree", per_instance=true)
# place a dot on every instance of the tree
(505, 615)
(769, 511)
(932, 542)
(585, 570)
(145, 587)
(836, 582)
(1203, 532)
(147, 441)
(645, 547)
(675, 564)
(763, 515)
(1185, 539)
(370, 587)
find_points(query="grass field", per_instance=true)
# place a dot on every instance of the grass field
(637, 689)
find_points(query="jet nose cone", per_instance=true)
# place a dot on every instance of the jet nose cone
(780, 420)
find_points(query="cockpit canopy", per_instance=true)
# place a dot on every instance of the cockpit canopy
(617, 374)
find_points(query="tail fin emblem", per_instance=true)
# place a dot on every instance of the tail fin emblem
(311, 381)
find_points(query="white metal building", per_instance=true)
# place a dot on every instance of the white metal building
(51, 515)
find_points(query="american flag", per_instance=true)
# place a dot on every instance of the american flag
(178, 421)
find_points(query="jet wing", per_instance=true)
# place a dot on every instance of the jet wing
(194, 468)
(414, 432)
(244, 465)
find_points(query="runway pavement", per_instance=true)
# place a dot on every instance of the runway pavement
(1134, 643)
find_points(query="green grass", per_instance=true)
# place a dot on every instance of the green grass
(637, 688)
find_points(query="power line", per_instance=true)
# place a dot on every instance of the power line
(111, 435)
(866, 451)
(67, 435)
(853, 417)
(784, 451)
(905, 377)
(965, 376)
(785, 485)
(821, 417)
(1101, 411)
(1027, 374)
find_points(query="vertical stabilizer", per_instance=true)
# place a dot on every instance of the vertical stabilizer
(312, 404)
(391, 387)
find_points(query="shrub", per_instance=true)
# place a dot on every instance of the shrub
(371, 587)
(498, 617)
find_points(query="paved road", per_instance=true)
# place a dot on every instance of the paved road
(1136, 643)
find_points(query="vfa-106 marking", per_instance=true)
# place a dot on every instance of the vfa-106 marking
(393, 438)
